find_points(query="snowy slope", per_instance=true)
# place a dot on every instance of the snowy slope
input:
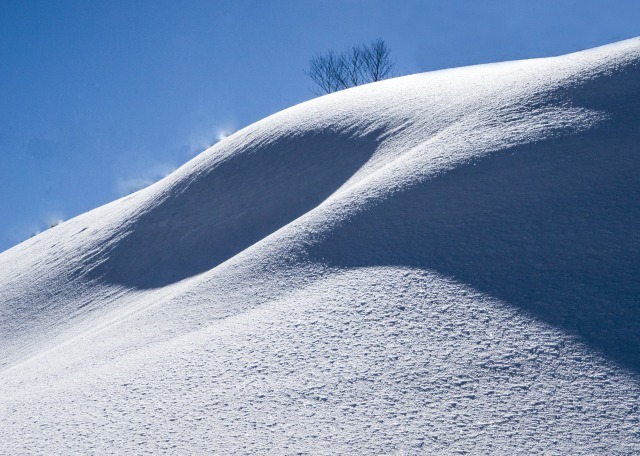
(447, 262)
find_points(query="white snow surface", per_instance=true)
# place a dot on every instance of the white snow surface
(442, 263)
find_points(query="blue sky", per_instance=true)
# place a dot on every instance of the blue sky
(98, 98)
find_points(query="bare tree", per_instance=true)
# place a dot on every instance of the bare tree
(359, 65)
(378, 64)
(329, 72)
(354, 63)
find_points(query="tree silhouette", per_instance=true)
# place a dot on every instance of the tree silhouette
(359, 65)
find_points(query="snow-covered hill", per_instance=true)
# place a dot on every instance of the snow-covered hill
(447, 262)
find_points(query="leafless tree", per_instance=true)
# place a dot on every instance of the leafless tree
(354, 63)
(377, 61)
(328, 71)
(359, 65)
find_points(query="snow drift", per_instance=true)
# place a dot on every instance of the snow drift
(443, 262)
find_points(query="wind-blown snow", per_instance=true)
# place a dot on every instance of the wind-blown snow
(447, 262)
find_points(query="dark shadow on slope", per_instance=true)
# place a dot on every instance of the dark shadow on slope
(232, 206)
(553, 228)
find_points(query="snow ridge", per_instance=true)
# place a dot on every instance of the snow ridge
(439, 263)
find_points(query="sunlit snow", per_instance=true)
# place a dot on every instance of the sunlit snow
(447, 262)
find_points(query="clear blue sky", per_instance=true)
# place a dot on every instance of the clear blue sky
(98, 98)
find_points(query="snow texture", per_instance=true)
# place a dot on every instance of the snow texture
(443, 263)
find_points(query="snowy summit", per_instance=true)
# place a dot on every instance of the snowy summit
(447, 262)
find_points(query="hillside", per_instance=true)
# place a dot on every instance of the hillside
(447, 262)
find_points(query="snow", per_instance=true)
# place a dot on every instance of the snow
(447, 262)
